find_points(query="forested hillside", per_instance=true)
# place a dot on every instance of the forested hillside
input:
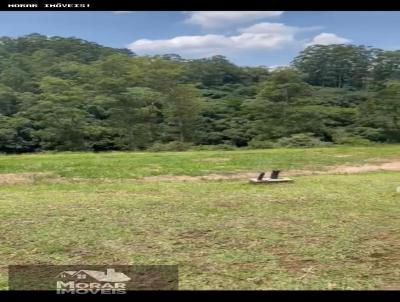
(68, 94)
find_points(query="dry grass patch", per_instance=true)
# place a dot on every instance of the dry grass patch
(24, 178)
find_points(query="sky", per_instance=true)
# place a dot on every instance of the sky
(247, 38)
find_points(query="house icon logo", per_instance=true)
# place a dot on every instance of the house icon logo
(80, 279)
(86, 281)
(90, 275)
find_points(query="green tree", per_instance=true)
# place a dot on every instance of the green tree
(337, 65)
(135, 115)
(384, 111)
(16, 135)
(182, 111)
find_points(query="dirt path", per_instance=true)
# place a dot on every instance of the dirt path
(388, 166)
(20, 178)
(17, 178)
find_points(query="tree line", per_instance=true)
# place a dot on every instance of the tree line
(69, 94)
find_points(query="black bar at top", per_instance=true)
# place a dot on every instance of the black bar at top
(193, 5)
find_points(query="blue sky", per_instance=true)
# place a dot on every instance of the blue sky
(246, 38)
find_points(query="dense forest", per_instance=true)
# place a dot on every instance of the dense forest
(69, 94)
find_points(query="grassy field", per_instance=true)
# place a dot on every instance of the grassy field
(331, 231)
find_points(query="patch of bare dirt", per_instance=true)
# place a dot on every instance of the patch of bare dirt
(230, 176)
(294, 263)
(343, 169)
(195, 234)
(22, 178)
(388, 166)
(197, 178)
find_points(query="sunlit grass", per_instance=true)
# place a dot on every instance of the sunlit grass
(320, 232)
(138, 164)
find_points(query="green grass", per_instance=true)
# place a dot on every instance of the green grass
(321, 232)
(138, 164)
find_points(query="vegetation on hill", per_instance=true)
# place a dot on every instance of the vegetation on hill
(69, 94)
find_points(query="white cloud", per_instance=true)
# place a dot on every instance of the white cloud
(262, 36)
(207, 45)
(276, 29)
(328, 38)
(182, 44)
(210, 19)
(266, 27)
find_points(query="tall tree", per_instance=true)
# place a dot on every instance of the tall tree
(182, 111)
(384, 111)
(135, 115)
(335, 65)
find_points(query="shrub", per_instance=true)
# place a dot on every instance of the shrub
(342, 137)
(371, 134)
(353, 141)
(260, 144)
(171, 146)
(300, 140)
(224, 147)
